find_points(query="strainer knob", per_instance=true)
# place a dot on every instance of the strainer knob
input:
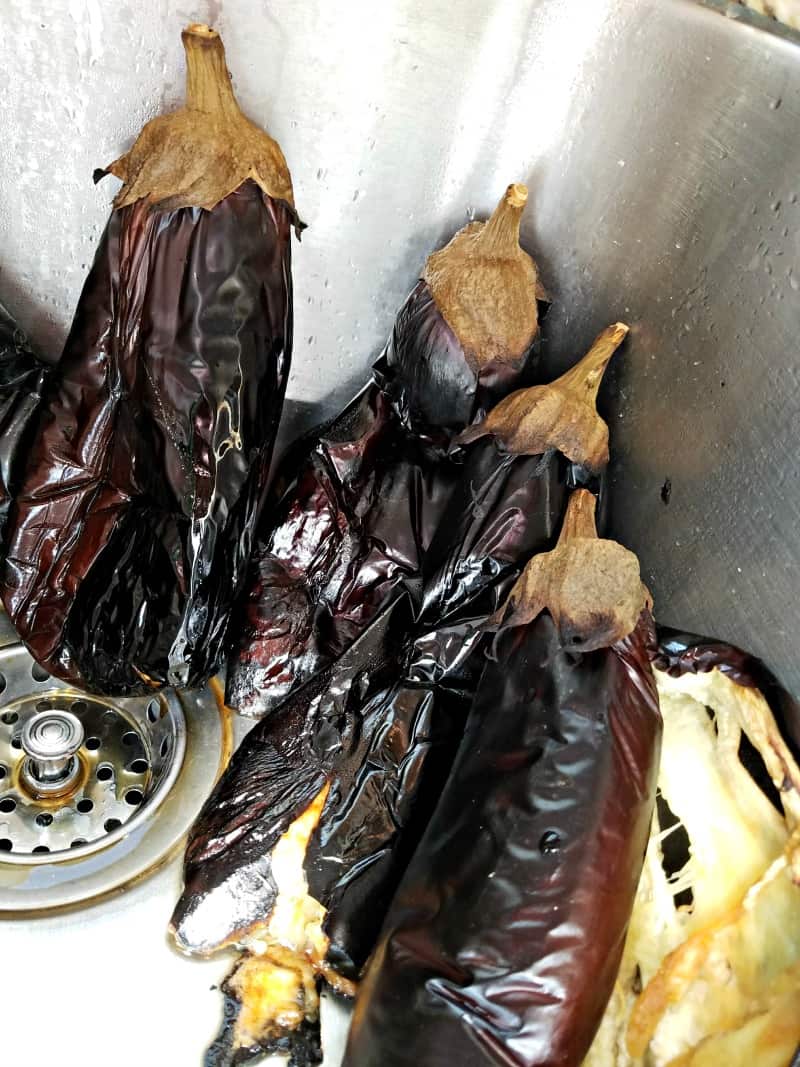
(51, 740)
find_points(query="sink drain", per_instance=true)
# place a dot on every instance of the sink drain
(76, 771)
(95, 792)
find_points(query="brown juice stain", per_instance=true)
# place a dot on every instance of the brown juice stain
(226, 725)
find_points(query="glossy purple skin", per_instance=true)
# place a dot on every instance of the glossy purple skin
(502, 943)
(23, 378)
(354, 508)
(130, 534)
(380, 725)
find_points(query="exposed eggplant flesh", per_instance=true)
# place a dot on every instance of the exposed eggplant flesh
(711, 969)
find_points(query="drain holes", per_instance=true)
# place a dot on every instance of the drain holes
(92, 743)
(7, 804)
(110, 825)
(130, 738)
(84, 806)
(39, 674)
(41, 848)
(164, 747)
(9, 717)
(154, 711)
(3, 771)
(2, 682)
(79, 707)
(105, 773)
(16, 742)
(44, 705)
(44, 818)
(134, 797)
(139, 766)
(78, 842)
(6, 844)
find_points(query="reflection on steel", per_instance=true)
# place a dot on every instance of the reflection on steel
(661, 144)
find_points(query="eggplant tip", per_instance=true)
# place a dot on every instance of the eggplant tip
(201, 29)
(517, 194)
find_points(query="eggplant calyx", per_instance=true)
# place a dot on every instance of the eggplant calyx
(485, 286)
(561, 415)
(591, 587)
(197, 155)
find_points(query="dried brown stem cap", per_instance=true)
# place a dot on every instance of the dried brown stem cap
(485, 286)
(561, 415)
(199, 154)
(591, 587)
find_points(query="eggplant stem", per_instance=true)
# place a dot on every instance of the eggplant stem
(199, 154)
(590, 586)
(585, 377)
(208, 81)
(500, 235)
(484, 286)
(579, 520)
(561, 415)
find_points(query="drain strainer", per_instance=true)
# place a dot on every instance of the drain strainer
(95, 791)
(76, 770)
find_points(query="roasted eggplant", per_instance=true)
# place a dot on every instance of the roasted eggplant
(711, 969)
(23, 377)
(131, 529)
(503, 941)
(374, 735)
(356, 501)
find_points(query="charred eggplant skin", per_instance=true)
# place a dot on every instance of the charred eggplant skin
(504, 938)
(23, 379)
(381, 724)
(356, 502)
(132, 525)
(355, 509)
(129, 537)
(679, 652)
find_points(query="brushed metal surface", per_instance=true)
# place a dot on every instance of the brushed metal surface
(661, 143)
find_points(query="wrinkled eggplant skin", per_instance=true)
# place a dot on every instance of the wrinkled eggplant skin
(354, 508)
(503, 941)
(679, 652)
(388, 755)
(301, 1045)
(491, 525)
(130, 535)
(347, 539)
(273, 776)
(23, 378)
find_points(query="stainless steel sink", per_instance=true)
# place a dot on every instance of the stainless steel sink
(661, 143)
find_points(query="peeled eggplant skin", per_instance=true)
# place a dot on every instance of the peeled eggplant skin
(503, 940)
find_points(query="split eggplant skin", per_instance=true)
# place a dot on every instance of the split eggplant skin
(354, 509)
(503, 941)
(129, 538)
(387, 757)
(679, 652)
(23, 377)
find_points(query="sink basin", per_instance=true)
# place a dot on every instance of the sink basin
(661, 144)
